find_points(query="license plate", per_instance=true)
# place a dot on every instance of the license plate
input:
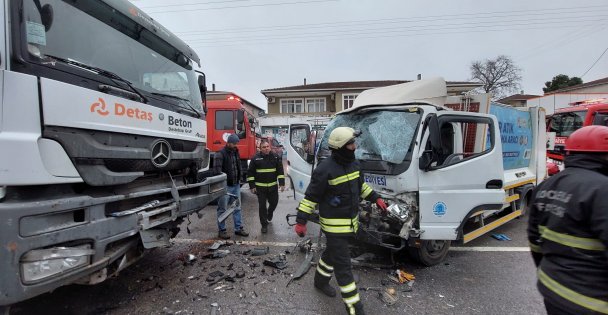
(375, 180)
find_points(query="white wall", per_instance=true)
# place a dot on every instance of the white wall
(556, 101)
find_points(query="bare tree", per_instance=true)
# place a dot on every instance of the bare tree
(499, 76)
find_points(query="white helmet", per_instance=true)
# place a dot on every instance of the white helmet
(340, 136)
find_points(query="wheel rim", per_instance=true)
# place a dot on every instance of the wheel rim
(434, 248)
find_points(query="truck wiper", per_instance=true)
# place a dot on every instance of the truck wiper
(184, 101)
(108, 74)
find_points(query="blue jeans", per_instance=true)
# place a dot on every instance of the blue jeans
(222, 204)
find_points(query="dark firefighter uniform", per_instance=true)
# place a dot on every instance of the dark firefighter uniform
(568, 234)
(263, 173)
(337, 189)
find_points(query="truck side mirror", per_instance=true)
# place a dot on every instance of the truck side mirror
(202, 85)
(240, 116)
(429, 155)
(434, 134)
(425, 160)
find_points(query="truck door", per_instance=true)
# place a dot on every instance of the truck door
(300, 158)
(460, 173)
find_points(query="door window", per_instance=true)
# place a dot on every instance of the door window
(224, 120)
(462, 139)
(298, 139)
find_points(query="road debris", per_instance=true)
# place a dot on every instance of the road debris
(404, 276)
(214, 308)
(501, 237)
(259, 251)
(217, 245)
(389, 296)
(278, 262)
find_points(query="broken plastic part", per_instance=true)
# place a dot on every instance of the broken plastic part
(260, 251)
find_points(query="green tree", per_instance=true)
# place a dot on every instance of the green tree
(499, 76)
(561, 81)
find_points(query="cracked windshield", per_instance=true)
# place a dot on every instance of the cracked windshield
(378, 129)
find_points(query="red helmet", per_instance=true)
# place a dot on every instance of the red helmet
(588, 139)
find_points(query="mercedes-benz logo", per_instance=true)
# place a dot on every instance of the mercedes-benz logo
(160, 153)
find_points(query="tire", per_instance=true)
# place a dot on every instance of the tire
(526, 205)
(431, 252)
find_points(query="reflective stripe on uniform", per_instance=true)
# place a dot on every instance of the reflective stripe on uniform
(352, 300)
(365, 190)
(344, 178)
(572, 296)
(280, 176)
(266, 170)
(265, 184)
(307, 206)
(535, 248)
(340, 229)
(339, 225)
(571, 241)
(326, 266)
(250, 179)
(348, 288)
(322, 272)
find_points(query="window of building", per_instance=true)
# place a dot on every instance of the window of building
(315, 105)
(348, 100)
(292, 106)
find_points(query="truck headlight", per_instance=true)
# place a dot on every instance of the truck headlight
(398, 211)
(40, 264)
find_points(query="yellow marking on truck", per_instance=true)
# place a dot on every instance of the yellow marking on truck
(530, 181)
(512, 198)
(490, 226)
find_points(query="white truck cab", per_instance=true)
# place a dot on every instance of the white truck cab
(444, 173)
(102, 141)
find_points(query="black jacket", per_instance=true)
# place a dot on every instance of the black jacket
(337, 189)
(264, 170)
(229, 162)
(568, 234)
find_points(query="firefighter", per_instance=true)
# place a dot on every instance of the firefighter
(568, 228)
(264, 170)
(337, 186)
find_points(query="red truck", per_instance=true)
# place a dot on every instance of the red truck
(567, 120)
(228, 116)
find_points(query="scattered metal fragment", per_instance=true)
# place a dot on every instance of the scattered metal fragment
(260, 251)
(214, 308)
(191, 258)
(389, 297)
(240, 273)
(217, 245)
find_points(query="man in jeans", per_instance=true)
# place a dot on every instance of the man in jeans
(228, 161)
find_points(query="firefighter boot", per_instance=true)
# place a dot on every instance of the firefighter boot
(355, 309)
(322, 283)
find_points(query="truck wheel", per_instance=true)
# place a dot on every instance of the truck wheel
(431, 252)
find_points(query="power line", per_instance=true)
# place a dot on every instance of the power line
(572, 37)
(187, 4)
(463, 16)
(461, 26)
(285, 29)
(342, 38)
(247, 6)
(593, 65)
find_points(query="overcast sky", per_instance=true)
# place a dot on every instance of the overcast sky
(250, 45)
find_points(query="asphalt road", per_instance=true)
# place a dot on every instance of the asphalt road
(486, 276)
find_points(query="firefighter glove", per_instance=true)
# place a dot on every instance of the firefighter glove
(300, 229)
(382, 205)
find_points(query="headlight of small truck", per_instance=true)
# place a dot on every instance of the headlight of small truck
(40, 264)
